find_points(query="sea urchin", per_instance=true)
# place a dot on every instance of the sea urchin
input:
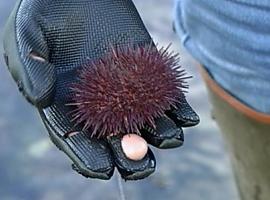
(126, 89)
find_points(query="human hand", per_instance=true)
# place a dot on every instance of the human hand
(46, 42)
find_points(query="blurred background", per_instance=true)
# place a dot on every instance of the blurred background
(32, 168)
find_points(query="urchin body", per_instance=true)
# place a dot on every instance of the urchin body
(127, 89)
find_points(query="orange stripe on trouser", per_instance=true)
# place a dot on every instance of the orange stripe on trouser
(247, 134)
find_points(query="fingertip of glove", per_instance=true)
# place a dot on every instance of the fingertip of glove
(130, 169)
(132, 175)
(166, 135)
(104, 174)
(183, 115)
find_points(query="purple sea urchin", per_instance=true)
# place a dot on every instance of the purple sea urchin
(126, 89)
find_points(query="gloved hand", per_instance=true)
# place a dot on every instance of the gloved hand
(45, 43)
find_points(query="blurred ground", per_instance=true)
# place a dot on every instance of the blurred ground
(33, 169)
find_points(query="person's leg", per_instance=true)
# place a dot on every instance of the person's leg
(247, 134)
(230, 39)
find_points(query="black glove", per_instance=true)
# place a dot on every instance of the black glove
(46, 41)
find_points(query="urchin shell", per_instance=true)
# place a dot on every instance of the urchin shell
(126, 89)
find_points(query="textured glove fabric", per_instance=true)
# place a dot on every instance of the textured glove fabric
(68, 34)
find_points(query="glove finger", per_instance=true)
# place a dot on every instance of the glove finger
(183, 115)
(95, 157)
(27, 55)
(130, 169)
(91, 157)
(166, 134)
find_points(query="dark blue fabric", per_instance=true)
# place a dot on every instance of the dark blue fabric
(231, 38)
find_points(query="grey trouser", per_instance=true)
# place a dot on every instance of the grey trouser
(247, 134)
